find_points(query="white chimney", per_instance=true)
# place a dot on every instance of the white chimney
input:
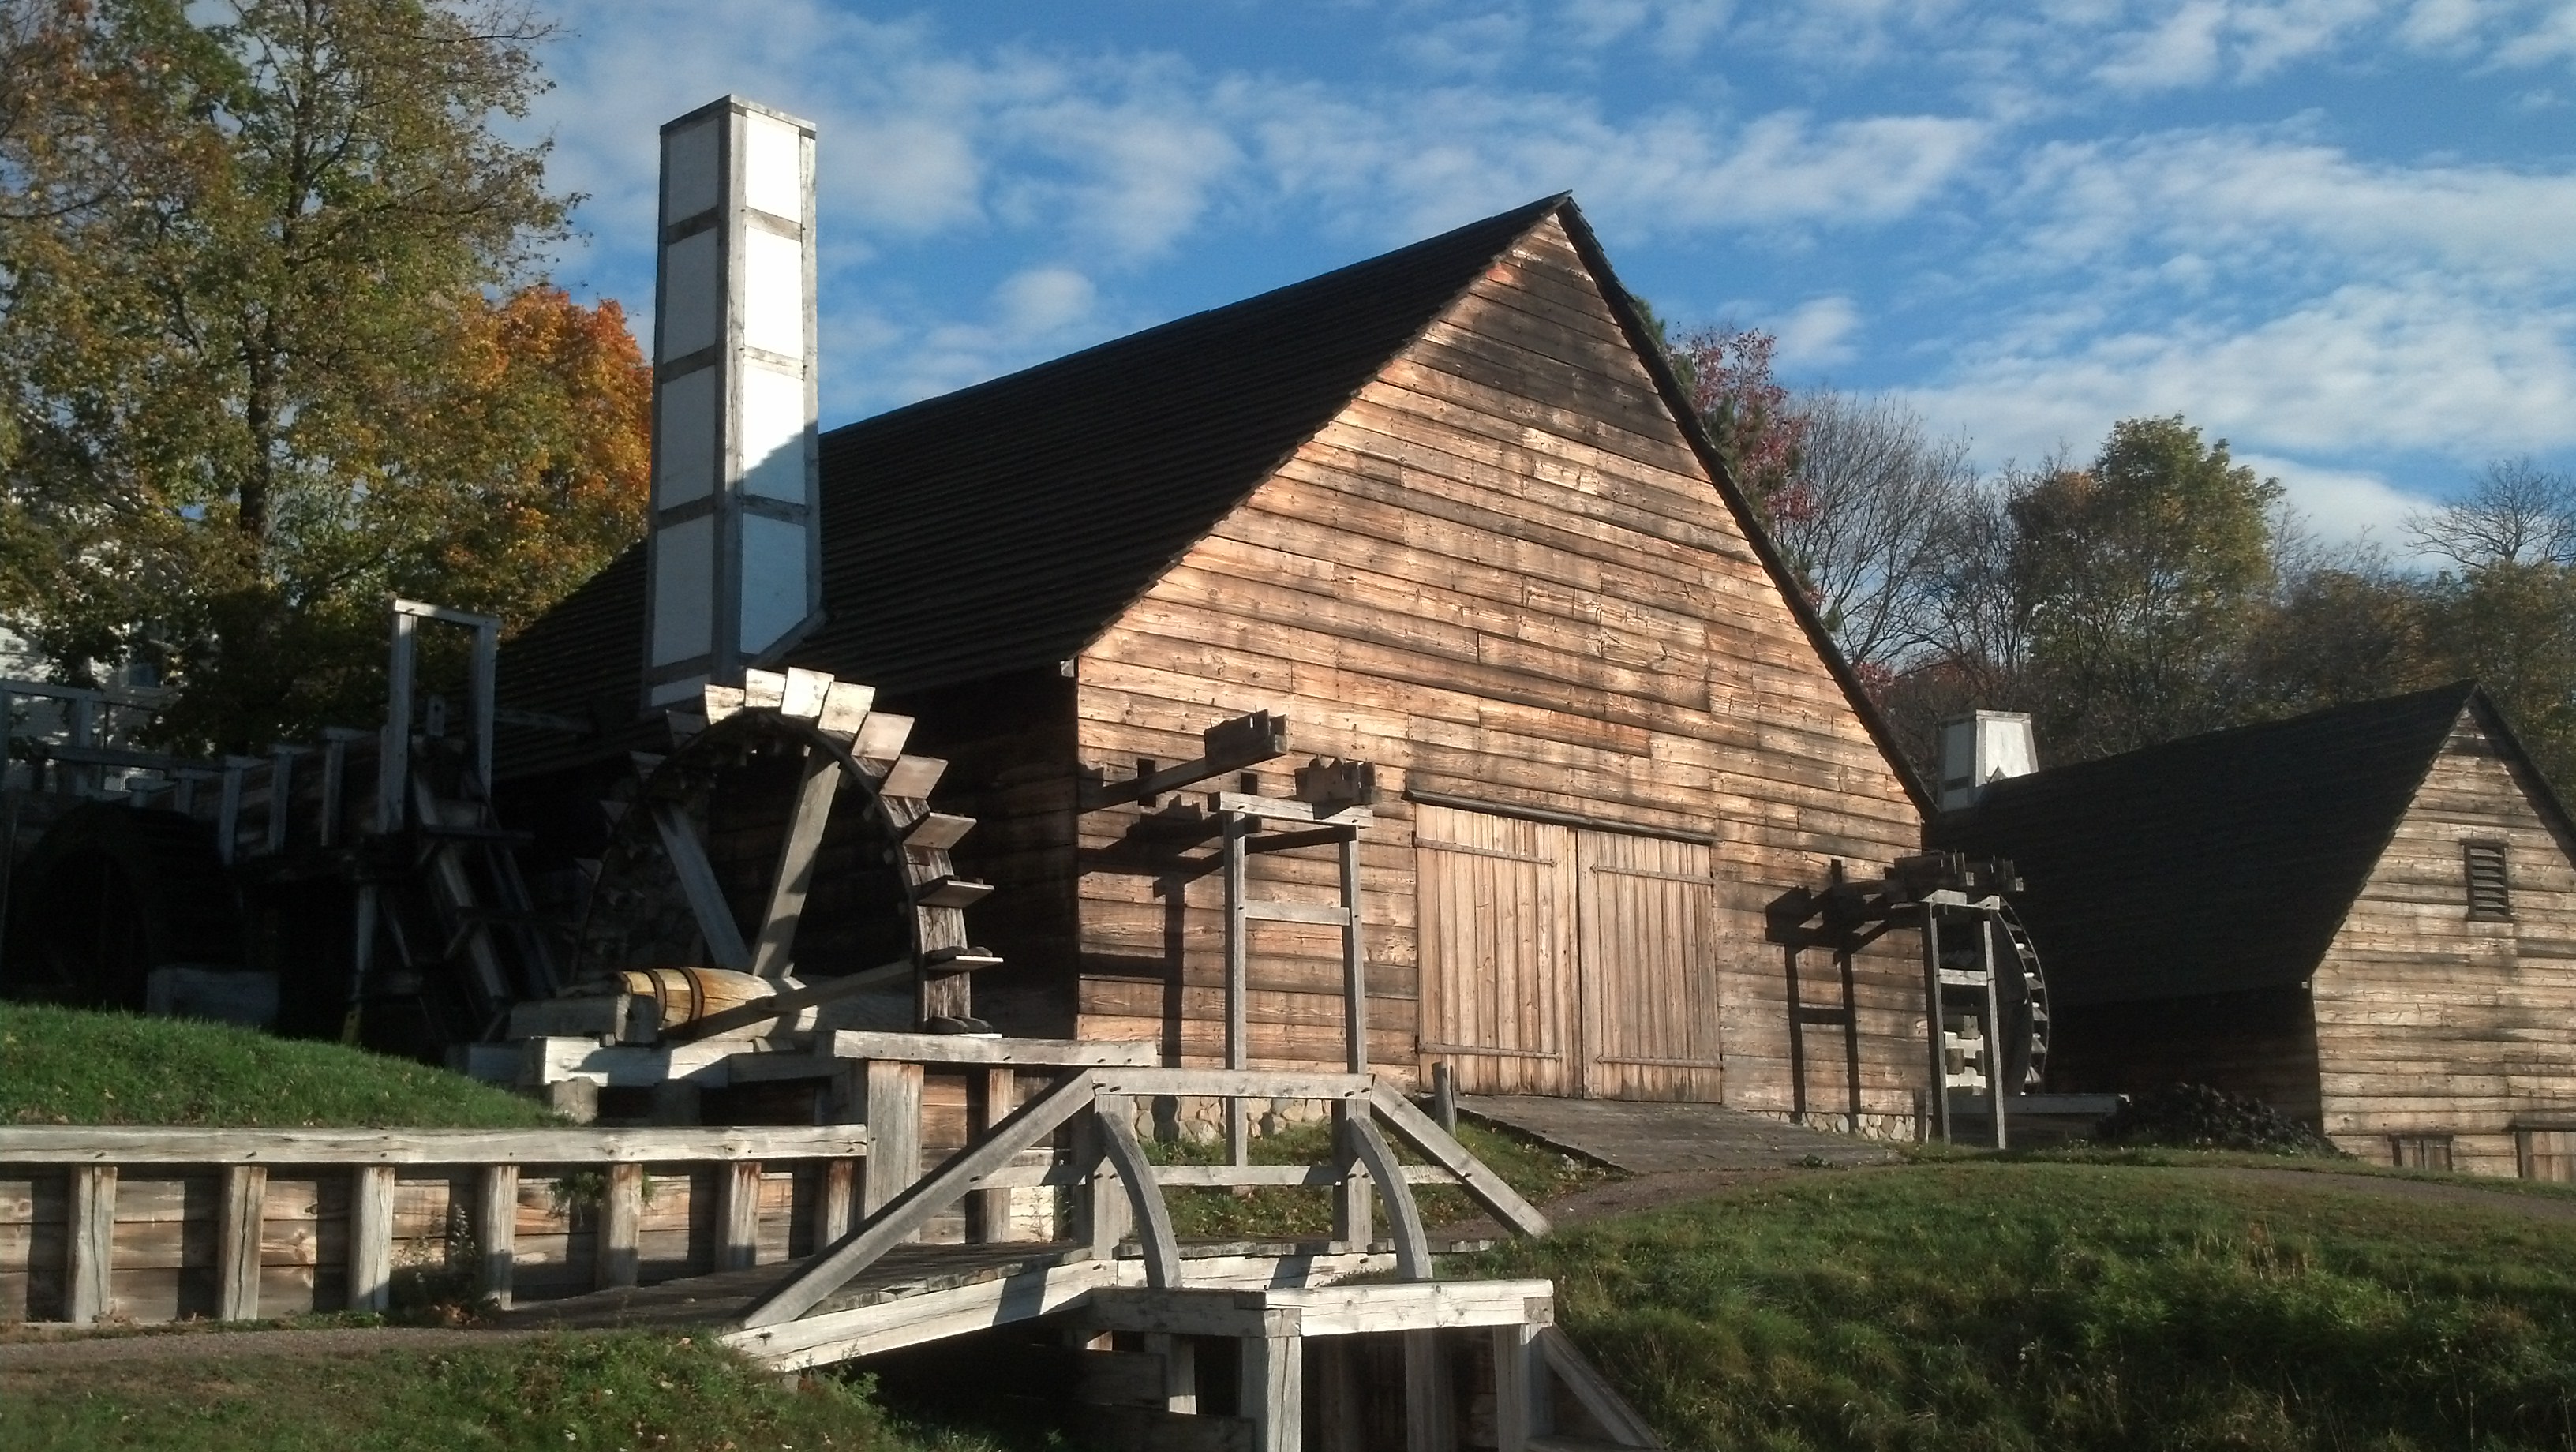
(1982, 747)
(733, 554)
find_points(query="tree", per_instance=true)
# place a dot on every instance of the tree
(2139, 576)
(1749, 415)
(2515, 514)
(2512, 626)
(273, 347)
(1867, 518)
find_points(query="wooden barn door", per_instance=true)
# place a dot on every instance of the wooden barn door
(1649, 968)
(1497, 951)
(1567, 962)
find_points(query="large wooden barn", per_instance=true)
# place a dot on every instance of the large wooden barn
(1445, 512)
(2365, 917)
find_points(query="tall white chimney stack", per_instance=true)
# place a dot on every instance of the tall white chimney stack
(1983, 747)
(733, 553)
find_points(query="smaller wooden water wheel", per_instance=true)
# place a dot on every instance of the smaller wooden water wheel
(789, 832)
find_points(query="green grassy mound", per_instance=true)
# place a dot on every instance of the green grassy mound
(72, 1066)
(568, 1394)
(1998, 1306)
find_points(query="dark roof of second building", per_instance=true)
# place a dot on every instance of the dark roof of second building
(2213, 864)
(1001, 527)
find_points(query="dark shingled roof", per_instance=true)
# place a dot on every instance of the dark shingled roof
(2213, 864)
(1003, 526)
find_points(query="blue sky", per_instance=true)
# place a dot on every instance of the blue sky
(2341, 234)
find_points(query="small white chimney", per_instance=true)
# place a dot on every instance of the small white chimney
(733, 555)
(1982, 747)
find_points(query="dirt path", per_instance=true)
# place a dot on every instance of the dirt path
(38, 1352)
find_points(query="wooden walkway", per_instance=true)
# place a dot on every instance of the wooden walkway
(1663, 1139)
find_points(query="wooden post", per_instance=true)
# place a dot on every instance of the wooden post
(371, 1237)
(1444, 1095)
(1430, 1409)
(1996, 1056)
(837, 1204)
(90, 1249)
(1272, 1393)
(393, 759)
(1339, 1406)
(1354, 964)
(1354, 1218)
(893, 1115)
(1102, 1208)
(496, 1233)
(991, 1095)
(237, 1227)
(738, 1215)
(1522, 1408)
(1179, 1356)
(621, 1215)
(1940, 1091)
(1238, 1049)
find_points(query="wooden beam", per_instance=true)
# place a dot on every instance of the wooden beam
(1430, 1404)
(791, 1000)
(1228, 746)
(991, 1094)
(1354, 964)
(90, 1244)
(371, 1237)
(621, 1217)
(893, 1110)
(836, 1336)
(1144, 1196)
(496, 1233)
(1027, 1127)
(836, 1202)
(1238, 992)
(976, 1049)
(1412, 1246)
(1522, 1406)
(793, 878)
(1483, 1186)
(1272, 1392)
(698, 884)
(738, 1215)
(1179, 1360)
(1233, 1083)
(237, 1234)
(56, 1144)
(1576, 1374)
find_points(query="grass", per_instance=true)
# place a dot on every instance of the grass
(1994, 1305)
(1537, 1171)
(74, 1066)
(565, 1394)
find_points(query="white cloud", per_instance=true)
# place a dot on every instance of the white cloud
(2343, 505)
(1817, 334)
(2183, 51)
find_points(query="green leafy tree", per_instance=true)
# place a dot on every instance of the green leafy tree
(268, 335)
(2140, 577)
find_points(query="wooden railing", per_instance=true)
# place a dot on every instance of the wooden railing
(157, 1224)
(1119, 1192)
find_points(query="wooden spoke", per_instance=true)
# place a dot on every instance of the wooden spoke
(698, 883)
(794, 877)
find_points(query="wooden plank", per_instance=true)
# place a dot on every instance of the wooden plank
(1430, 1405)
(792, 880)
(618, 1260)
(836, 1204)
(237, 1242)
(1232, 1083)
(792, 1345)
(975, 1049)
(1412, 1247)
(738, 1215)
(1523, 1407)
(991, 1096)
(1153, 1221)
(371, 1244)
(90, 1244)
(888, 1226)
(698, 883)
(52, 1144)
(1279, 911)
(1271, 1392)
(496, 1232)
(893, 1108)
(1482, 1185)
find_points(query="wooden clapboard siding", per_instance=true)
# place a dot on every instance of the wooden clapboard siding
(2429, 1022)
(1501, 574)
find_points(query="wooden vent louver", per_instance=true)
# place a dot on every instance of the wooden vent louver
(2490, 892)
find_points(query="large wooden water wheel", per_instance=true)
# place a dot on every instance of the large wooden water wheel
(790, 833)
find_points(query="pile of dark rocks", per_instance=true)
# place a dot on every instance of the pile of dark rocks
(2199, 1116)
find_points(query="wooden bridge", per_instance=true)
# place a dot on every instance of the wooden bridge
(787, 1244)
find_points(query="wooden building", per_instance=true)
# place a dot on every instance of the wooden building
(2365, 917)
(1446, 512)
